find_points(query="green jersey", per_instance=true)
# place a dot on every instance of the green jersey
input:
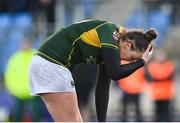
(80, 42)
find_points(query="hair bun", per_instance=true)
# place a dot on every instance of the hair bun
(150, 35)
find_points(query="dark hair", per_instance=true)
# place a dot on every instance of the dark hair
(140, 38)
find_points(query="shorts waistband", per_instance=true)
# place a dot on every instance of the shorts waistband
(49, 58)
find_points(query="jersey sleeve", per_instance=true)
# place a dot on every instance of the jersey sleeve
(108, 35)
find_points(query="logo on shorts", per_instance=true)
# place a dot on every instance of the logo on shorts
(72, 84)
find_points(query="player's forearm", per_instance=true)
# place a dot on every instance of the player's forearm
(126, 70)
(116, 71)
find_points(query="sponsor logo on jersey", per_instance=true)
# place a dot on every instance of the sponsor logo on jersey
(116, 35)
(91, 60)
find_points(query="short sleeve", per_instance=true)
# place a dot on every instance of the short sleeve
(108, 35)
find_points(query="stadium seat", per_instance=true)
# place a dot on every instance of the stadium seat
(5, 21)
(160, 21)
(23, 22)
(12, 45)
(5, 25)
(7, 101)
(22, 25)
(136, 20)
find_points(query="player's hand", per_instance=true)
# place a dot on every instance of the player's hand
(148, 53)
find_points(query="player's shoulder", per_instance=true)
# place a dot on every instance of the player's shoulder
(108, 24)
(91, 21)
(96, 22)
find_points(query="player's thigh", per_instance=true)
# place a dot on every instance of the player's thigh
(63, 106)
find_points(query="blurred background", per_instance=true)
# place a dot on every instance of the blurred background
(150, 95)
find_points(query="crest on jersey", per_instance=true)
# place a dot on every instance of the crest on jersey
(116, 35)
(91, 60)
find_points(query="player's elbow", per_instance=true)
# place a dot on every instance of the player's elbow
(114, 76)
(115, 79)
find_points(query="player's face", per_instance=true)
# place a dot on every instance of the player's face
(126, 52)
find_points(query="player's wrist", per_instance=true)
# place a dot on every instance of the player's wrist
(144, 61)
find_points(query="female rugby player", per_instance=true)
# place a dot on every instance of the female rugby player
(91, 42)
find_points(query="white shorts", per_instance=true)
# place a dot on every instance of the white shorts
(47, 77)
